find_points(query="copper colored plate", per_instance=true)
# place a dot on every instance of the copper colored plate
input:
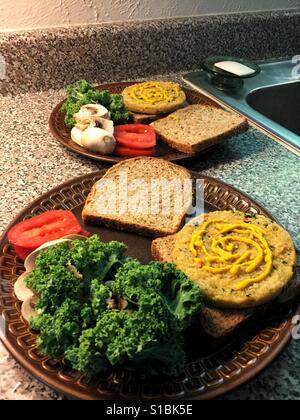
(209, 372)
(62, 133)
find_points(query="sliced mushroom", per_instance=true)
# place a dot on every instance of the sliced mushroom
(76, 135)
(98, 140)
(28, 308)
(96, 111)
(22, 292)
(90, 112)
(107, 125)
(82, 127)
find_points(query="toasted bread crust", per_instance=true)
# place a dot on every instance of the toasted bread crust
(128, 227)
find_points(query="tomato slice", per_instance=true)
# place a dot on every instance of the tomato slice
(135, 136)
(30, 234)
(127, 152)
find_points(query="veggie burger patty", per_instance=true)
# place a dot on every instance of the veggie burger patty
(239, 261)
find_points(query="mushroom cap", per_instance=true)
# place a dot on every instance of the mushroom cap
(28, 308)
(107, 125)
(89, 112)
(22, 292)
(76, 135)
(98, 140)
(96, 110)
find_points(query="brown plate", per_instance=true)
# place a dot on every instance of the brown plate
(209, 372)
(62, 133)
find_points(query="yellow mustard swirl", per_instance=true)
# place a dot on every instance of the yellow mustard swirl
(154, 92)
(223, 255)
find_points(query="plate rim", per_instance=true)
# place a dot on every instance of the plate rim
(58, 385)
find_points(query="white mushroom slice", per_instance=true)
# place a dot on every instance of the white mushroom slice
(28, 308)
(82, 127)
(76, 135)
(22, 292)
(83, 116)
(96, 111)
(90, 112)
(107, 125)
(29, 263)
(98, 140)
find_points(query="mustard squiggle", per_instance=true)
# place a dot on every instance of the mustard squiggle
(224, 247)
(154, 92)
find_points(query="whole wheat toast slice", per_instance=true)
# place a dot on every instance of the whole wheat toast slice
(109, 206)
(145, 118)
(195, 127)
(217, 324)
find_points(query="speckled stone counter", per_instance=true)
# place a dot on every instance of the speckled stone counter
(46, 59)
(31, 163)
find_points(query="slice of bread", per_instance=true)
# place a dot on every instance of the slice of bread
(217, 324)
(162, 248)
(104, 208)
(145, 118)
(195, 127)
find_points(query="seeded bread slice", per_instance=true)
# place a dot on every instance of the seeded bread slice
(100, 201)
(195, 127)
(217, 324)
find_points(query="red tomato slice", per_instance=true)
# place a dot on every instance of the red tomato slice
(127, 152)
(135, 136)
(30, 234)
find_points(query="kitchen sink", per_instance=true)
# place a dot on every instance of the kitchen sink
(280, 104)
(270, 101)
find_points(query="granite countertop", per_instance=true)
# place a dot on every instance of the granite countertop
(32, 162)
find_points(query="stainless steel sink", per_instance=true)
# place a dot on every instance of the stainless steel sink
(271, 100)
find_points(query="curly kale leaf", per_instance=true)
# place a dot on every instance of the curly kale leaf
(59, 331)
(182, 297)
(134, 278)
(83, 93)
(99, 296)
(85, 356)
(146, 341)
(96, 259)
(100, 308)
(118, 110)
(52, 280)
